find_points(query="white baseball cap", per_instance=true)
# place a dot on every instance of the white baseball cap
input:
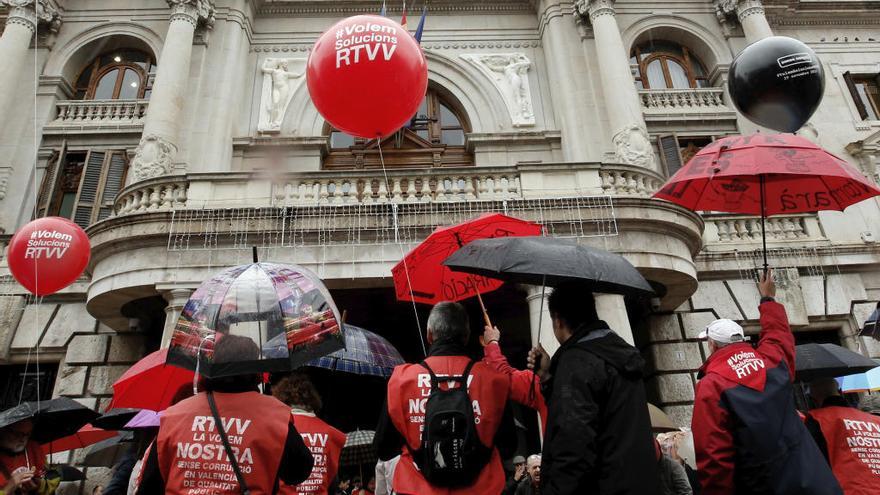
(724, 331)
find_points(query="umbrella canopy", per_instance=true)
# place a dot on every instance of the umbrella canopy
(660, 422)
(107, 453)
(829, 361)
(420, 277)
(87, 435)
(358, 448)
(53, 419)
(365, 353)
(115, 418)
(149, 384)
(259, 301)
(549, 261)
(144, 419)
(798, 176)
(861, 382)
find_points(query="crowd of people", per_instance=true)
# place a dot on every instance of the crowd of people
(446, 427)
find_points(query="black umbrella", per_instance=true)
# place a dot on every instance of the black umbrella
(69, 473)
(829, 361)
(107, 453)
(53, 419)
(115, 419)
(548, 261)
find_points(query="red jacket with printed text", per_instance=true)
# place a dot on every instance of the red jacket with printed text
(408, 390)
(525, 389)
(853, 440)
(748, 437)
(190, 451)
(325, 443)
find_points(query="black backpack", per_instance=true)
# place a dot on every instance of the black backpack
(451, 453)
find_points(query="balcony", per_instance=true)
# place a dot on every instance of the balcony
(726, 232)
(677, 106)
(98, 116)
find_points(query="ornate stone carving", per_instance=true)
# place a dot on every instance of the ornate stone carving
(633, 146)
(30, 12)
(509, 73)
(153, 157)
(726, 10)
(193, 11)
(5, 172)
(281, 77)
(595, 8)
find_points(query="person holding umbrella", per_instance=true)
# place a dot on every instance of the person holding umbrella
(598, 437)
(748, 437)
(324, 441)
(22, 465)
(229, 425)
(848, 438)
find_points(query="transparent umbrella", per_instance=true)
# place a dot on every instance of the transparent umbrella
(260, 301)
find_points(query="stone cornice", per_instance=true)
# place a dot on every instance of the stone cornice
(446, 45)
(319, 7)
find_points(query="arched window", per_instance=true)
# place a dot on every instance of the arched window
(117, 75)
(667, 65)
(434, 137)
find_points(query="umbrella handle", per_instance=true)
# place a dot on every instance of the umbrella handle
(485, 313)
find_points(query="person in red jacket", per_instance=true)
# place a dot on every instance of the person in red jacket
(189, 455)
(748, 438)
(848, 438)
(22, 463)
(525, 388)
(408, 390)
(324, 441)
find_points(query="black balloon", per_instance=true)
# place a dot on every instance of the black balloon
(777, 82)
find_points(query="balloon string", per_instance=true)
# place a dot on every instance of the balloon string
(399, 245)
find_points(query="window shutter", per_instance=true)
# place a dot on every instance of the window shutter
(670, 153)
(854, 93)
(113, 180)
(50, 182)
(88, 188)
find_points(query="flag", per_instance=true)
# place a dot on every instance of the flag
(403, 19)
(421, 28)
(382, 10)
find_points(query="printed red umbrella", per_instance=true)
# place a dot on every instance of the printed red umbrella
(150, 383)
(421, 277)
(766, 174)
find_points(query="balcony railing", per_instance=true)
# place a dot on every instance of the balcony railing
(738, 229)
(100, 113)
(684, 104)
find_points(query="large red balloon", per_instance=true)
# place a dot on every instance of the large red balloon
(367, 76)
(48, 254)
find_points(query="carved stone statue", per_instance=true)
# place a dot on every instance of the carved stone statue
(279, 85)
(152, 158)
(634, 147)
(509, 73)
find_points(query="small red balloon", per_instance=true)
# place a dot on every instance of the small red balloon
(367, 76)
(48, 254)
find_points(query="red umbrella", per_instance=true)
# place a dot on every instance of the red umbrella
(87, 435)
(150, 383)
(766, 174)
(421, 277)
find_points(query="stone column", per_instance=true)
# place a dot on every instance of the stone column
(566, 71)
(612, 309)
(158, 147)
(630, 136)
(537, 316)
(21, 24)
(177, 299)
(749, 13)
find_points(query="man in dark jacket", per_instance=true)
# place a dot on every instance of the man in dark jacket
(748, 437)
(598, 438)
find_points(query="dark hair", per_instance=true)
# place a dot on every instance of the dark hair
(449, 321)
(228, 349)
(573, 304)
(297, 390)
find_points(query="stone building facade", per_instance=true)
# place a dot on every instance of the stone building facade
(180, 132)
